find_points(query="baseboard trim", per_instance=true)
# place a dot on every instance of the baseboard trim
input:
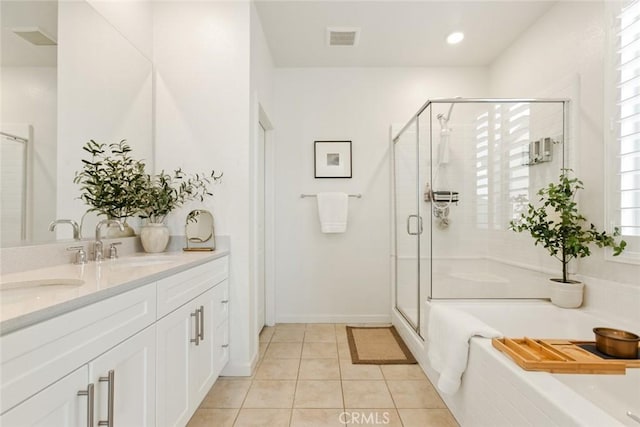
(235, 369)
(335, 318)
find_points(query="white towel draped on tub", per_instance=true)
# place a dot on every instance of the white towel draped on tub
(333, 209)
(449, 333)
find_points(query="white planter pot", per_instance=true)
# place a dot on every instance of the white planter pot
(154, 237)
(566, 295)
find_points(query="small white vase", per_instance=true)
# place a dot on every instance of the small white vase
(154, 237)
(566, 295)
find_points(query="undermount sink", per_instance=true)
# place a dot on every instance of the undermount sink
(41, 283)
(144, 261)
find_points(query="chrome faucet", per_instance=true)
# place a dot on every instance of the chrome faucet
(97, 246)
(72, 223)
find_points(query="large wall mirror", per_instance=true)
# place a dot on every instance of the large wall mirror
(68, 75)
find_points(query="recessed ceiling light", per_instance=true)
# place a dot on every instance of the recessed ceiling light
(455, 38)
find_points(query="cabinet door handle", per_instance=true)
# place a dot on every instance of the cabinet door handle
(224, 345)
(225, 301)
(110, 379)
(201, 333)
(90, 394)
(197, 338)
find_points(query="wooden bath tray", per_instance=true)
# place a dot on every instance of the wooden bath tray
(560, 356)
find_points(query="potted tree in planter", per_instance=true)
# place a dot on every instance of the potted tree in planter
(561, 229)
(111, 181)
(162, 194)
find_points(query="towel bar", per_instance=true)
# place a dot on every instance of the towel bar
(357, 196)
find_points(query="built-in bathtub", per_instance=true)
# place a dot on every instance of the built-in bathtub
(497, 392)
(461, 278)
(486, 278)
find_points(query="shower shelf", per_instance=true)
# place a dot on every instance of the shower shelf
(445, 196)
(539, 151)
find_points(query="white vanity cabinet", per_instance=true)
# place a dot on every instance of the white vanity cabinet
(89, 341)
(142, 358)
(187, 346)
(117, 388)
(57, 405)
(124, 381)
(221, 324)
(211, 353)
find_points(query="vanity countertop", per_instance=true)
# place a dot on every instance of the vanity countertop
(33, 300)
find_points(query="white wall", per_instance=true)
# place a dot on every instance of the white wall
(262, 67)
(568, 44)
(201, 55)
(344, 277)
(29, 96)
(133, 19)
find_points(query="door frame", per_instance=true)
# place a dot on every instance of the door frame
(269, 216)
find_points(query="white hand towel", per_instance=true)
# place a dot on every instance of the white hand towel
(333, 209)
(449, 333)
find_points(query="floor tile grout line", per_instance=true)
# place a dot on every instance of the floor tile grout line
(252, 379)
(295, 390)
(344, 400)
(395, 405)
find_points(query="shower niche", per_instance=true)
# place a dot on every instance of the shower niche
(459, 177)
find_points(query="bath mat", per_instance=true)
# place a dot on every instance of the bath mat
(378, 346)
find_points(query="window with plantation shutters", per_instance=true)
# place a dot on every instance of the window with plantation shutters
(482, 170)
(502, 179)
(625, 153)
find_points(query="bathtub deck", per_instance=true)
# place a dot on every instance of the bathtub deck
(497, 392)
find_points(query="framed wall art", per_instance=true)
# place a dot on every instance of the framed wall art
(332, 159)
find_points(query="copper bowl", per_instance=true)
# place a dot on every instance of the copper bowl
(617, 343)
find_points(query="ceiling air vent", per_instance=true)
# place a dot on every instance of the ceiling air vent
(35, 35)
(343, 36)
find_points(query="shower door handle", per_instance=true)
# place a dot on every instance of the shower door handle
(409, 225)
(420, 227)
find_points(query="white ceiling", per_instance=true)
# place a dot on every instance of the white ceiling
(18, 52)
(395, 33)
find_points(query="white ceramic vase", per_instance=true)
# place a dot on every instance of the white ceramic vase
(154, 237)
(566, 295)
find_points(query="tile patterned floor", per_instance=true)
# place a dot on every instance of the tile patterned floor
(305, 378)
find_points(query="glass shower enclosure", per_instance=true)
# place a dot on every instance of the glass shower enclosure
(462, 170)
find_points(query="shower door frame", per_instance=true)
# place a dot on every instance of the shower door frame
(394, 216)
(394, 140)
(25, 205)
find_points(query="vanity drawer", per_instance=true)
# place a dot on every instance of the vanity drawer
(181, 288)
(221, 303)
(35, 357)
(221, 347)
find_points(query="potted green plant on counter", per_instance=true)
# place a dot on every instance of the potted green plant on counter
(164, 193)
(563, 231)
(111, 181)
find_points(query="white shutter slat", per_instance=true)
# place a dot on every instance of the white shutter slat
(625, 155)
